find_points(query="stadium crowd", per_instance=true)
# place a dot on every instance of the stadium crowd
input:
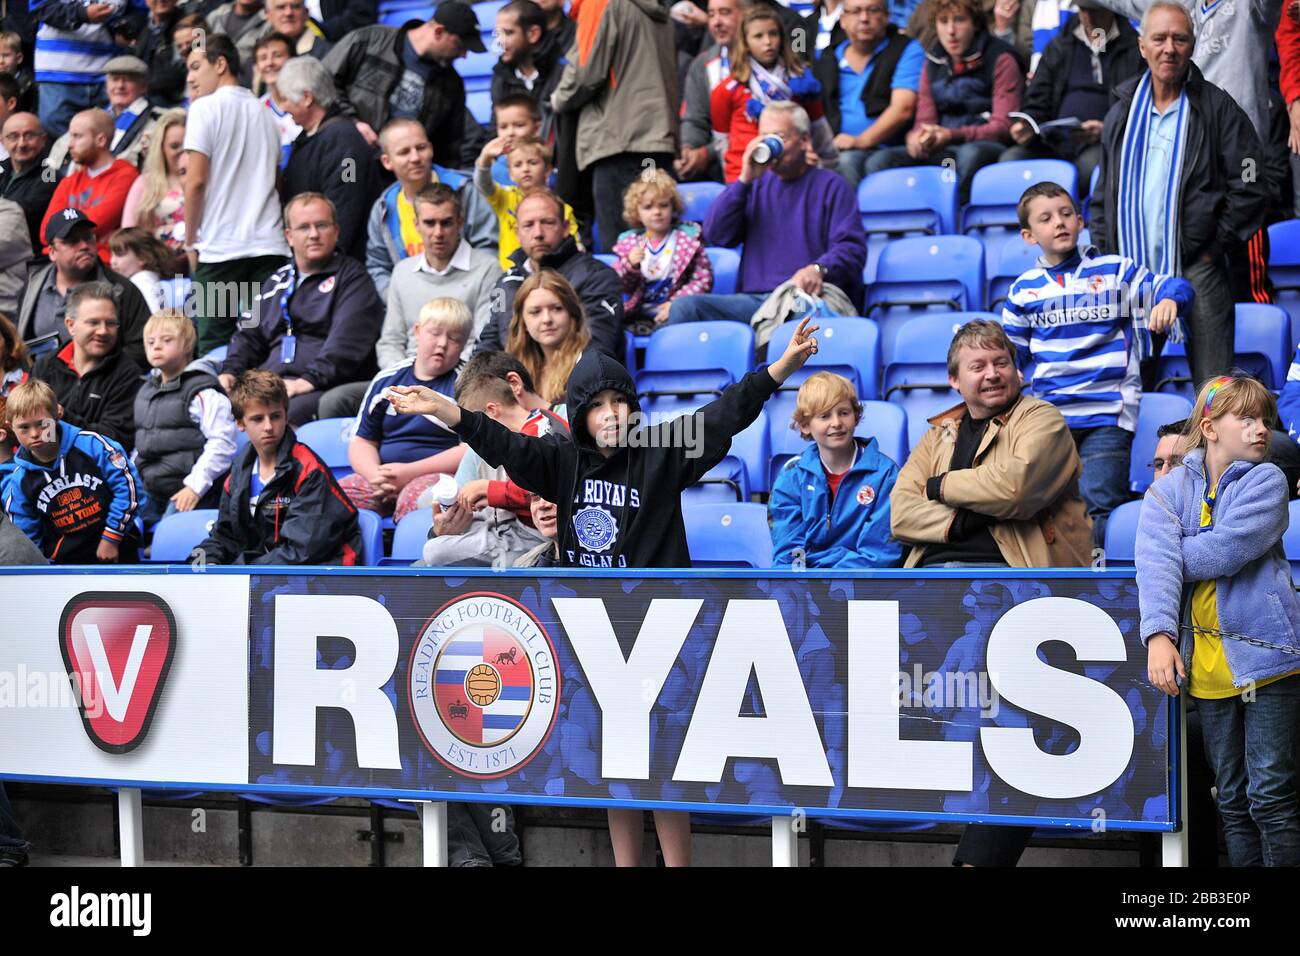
(225, 222)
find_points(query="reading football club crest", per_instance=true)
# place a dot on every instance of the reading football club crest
(866, 495)
(596, 528)
(484, 686)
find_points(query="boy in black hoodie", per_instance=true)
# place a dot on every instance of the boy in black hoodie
(618, 488)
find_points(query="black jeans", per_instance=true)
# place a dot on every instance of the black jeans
(610, 178)
(479, 834)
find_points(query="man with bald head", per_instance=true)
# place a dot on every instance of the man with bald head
(100, 183)
(20, 175)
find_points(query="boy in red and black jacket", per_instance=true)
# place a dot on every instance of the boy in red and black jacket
(280, 503)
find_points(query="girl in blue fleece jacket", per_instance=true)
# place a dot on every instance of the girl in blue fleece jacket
(832, 501)
(1210, 564)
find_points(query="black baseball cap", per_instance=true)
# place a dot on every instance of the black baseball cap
(460, 20)
(64, 221)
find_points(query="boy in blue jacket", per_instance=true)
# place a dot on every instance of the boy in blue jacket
(74, 493)
(832, 501)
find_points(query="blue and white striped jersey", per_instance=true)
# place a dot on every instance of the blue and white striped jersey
(1072, 326)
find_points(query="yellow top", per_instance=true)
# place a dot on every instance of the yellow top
(505, 202)
(411, 239)
(1210, 677)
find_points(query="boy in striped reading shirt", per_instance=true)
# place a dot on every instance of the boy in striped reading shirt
(1081, 322)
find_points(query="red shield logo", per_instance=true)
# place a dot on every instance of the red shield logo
(118, 647)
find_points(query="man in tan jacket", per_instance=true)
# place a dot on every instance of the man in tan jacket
(995, 483)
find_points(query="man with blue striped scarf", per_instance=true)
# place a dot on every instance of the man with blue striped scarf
(1181, 185)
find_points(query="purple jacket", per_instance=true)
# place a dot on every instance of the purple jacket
(692, 271)
(785, 226)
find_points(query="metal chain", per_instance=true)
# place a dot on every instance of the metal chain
(1243, 638)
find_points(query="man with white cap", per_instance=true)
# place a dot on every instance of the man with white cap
(126, 81)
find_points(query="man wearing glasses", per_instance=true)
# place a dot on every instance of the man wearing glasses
(314, 322)
(20, 174)
(869, 86)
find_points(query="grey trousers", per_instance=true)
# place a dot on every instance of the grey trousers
(1211, 325)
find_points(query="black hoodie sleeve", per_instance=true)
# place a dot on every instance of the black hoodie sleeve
(714, 426)
(539, 465)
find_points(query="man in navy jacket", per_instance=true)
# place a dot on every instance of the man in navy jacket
(316, 319)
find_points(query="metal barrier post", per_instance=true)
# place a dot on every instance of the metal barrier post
(785, 842)
(433, 819)
(1173, 846)
(130, 809)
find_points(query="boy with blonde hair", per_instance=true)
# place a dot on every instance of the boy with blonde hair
(529, 162)
(74, 493)
(185, 431)
(832, 501)
(395, 457)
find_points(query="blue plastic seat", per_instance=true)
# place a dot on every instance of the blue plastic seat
(919, 200)
(479, 104)
(728, 535)
(1014, 259)
(1261, 338)
(727, 481)
(1291, 540)
(924, 274)
(924, 340)
(1156, 409)
(1121, 534)
(726, 269)
(696, 358)
(1262, 342)
(698, 197)
(606, 257)
(328, 438)
(884, 421)
(850, 347)
(1284, 270)
(372, 537)
(395, 15)
(409, 537)
(476, 70)
(995, 190)
(916, 371)
(175, 536)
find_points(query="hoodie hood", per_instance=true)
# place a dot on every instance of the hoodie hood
(594, 373)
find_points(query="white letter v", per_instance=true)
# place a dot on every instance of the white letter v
(117, 698)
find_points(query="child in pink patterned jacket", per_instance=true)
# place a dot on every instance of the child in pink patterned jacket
(659, 259)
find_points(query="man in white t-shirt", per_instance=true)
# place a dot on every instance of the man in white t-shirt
(233, 230)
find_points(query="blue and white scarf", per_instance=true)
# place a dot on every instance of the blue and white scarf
(1130, 216)
(126, 119)
(770, 86)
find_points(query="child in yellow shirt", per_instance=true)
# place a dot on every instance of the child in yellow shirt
(529, 162)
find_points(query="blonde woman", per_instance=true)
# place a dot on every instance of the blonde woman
(157, 198)
(547, 332)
